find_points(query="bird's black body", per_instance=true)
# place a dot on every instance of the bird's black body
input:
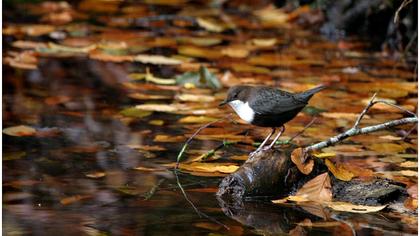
(267, 106)
(272, 107)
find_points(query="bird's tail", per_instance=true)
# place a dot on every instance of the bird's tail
(305, 96)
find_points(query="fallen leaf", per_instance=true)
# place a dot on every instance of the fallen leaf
(317, 189)
(185, 97)
(210, 25)
(146, 147)
(199, 41)
(168, 138)
(411, 203)
(268, 42)
(28, 44)
(202, 78)
(386, 147)
(73, 199)
(135, 112)
(324, 154)
(408, 173)
(100, 56)
(225, 168)
(148, 169)
(320, 224)
(409, 164)
(156, 59)
(20, 131)
(272, 16)
(196, 119)
(169, 108)
(194, 51)
(209, 226)
(339, 172)
(348, 207)
(235, 51)
(96, 175)
(62, 48)
(157, 122)
(297, 157)
(342, 115)
(9, 156)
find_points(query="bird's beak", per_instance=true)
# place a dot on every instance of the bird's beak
(222, 103)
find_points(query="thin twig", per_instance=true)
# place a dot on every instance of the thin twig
(302, 131)
(409, 132)
(153, 190)
(199, 213)
(369, 105)
(396, 106)
(184, 147)
(397, 13)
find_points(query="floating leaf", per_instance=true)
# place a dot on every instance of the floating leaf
(298, 156)
(23, 60)
(199, 41)
(272, 16)
(235, 52)
(168, 138)
(157, 122)
(348, 207)
(156, 59)
(339, 172)
(96, 175)
(269, 42)
(169, 108)
(185, 97)
(151, 78)
(9, 156)
(409, 164)
(202, 78)
(62, 48)
(194, 51)
(210, 25)
(19, 131)
(226, 168)
(73, 199)
(135, 112)
(196, 119)
(317, 189)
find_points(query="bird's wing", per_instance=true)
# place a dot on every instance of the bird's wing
(273, 101)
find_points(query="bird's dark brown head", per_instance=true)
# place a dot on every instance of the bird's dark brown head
(240, 92)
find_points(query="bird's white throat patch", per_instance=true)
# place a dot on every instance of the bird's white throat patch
(243, 110)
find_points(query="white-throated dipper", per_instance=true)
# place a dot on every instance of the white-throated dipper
(267, 106)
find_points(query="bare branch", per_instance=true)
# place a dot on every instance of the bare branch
(355, 130)
(369, 105)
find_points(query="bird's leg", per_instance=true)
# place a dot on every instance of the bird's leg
(265, 141)
(282, 129)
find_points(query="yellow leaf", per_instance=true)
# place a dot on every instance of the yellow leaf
(19, 131)
(236, 52)
(409, 164)
(226, 168)
(317, 189)
(196, 119)
(324, 155)
(157, 122)
(269, 42)
(63, 48)
(348, 207)
(168, 139)
(386, 147)
(194, 51)
(272, 16)
(170, 108)
(342, 115)
(339, 172)
(156, 59)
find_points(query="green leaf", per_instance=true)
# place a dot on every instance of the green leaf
(203, 78)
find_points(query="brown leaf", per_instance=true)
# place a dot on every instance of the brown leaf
(96, 175)
(196, 119)
(318, 189)
(339, 172)
(156, 59)
(73, 199)
(297, 157)
(226, 168)
(168, 139)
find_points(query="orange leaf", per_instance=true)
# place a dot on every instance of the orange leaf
(317, 189)
(297, 157)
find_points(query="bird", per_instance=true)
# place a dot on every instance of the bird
(267, 107)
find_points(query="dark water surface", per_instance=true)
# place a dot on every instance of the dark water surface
(78, 176)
